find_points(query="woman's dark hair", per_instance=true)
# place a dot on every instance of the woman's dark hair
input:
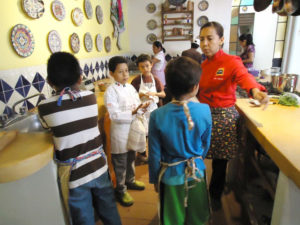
(143, 58)
(218, 27)
(114, 61)
(182, 74)
(63, 70)
(248, 38)
(159, 45)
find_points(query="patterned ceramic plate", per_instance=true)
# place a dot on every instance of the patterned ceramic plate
(151, 38)
(151, 8)
(99, 14)
(88, 42)
(202, 20)
(77, 16)
(54, 41)
(88, 8)
(107, 44)
(58, 10)
(75, 43)
(22, 40)
(34, 8)
(151, 24)
(203, 5)
(99, 42)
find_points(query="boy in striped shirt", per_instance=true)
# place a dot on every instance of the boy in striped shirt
(72, 116)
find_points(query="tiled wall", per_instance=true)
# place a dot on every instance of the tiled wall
(17, 84)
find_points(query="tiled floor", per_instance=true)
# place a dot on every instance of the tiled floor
(144, 210)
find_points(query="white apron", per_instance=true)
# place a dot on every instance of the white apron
(149, 87)
(120, 102)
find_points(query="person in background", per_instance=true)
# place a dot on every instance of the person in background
(221, 73)
(150, 89)
(72, 116)
(192, 52)
(246, 41)
(179, 138)
(122, 103)
(159, 61)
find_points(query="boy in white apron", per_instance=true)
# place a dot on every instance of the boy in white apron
(150, 89)
(122, 102)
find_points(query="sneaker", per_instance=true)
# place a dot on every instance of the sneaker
(125, 199)
(136, 185)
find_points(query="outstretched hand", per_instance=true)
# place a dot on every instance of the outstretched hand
(262, 97)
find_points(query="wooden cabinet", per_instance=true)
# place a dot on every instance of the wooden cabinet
(177, 25)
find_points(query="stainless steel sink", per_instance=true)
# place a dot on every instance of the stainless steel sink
(25, 124)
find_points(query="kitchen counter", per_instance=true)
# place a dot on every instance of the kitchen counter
(277, 130)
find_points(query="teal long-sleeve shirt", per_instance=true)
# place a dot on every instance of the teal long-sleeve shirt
(170, 140)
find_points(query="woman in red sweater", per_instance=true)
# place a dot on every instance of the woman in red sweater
(221, 73)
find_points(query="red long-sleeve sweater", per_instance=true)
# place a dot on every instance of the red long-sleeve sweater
(220, 77)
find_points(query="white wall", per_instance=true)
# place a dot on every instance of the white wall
(218, 10)
(264, 38)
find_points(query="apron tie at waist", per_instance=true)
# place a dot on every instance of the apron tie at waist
(190, 172)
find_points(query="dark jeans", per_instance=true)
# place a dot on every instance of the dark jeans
(98, 192)
(217, 181)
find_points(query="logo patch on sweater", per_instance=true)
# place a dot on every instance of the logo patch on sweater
(220, 72)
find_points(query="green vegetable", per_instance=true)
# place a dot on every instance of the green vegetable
(288, 100)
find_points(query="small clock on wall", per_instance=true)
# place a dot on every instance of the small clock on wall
(177, 2)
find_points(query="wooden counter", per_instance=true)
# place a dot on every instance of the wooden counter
(277, 129)
(27, 154)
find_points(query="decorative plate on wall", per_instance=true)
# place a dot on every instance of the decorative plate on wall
(88, 8)
(58, 10)
(54, 41)
(33, 8)
(151, 24)
(107, 44)
(177, 2)
(99, 42)
(77, 16)
(88, 42)
(151, 38)
(99, 14)
(203, 5)
(22, 40)
(202, 20)
(151, 8)
(75, 42)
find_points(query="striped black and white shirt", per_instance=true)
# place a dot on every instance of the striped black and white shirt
(75, 130)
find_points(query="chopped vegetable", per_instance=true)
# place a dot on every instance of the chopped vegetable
(289, 99)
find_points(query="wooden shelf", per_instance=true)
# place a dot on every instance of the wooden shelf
(189, 15)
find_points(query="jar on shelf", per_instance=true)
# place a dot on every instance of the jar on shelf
(190, 5)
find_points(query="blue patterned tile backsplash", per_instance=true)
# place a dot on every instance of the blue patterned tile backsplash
(17, 84)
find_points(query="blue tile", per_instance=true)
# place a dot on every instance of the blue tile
(97, 67)
(7, 95)
(103, 76)
(5, 86)
(93, 79)
(25, 81)
(92, 69)
(41, 85)
(8, 111)
(98, 78)
(2, 98)
(102, 65)
(21, 91)
(19, 83)
(26, 90)
(38, 78)
(86, 70)
(29, 105)
(106, 64)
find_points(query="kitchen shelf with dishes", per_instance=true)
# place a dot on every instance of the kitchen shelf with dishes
(177, 25)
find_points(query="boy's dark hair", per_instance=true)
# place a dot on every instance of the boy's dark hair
(143, 58)
(114, 61)
(182, 74)
(63, 69)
